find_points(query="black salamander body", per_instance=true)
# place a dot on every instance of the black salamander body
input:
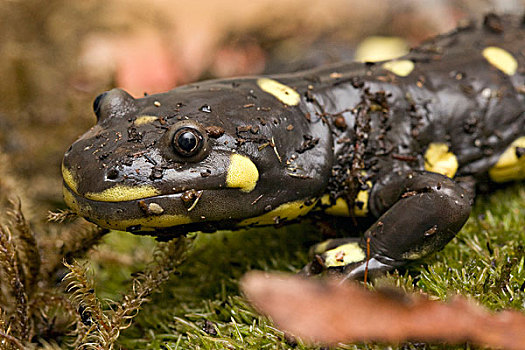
(402, 141)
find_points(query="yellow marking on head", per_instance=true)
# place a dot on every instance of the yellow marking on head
(284, 93)
(145, 119)
(149, 223)
(439, 160)
(380, 48)
(399, 67)
(509, 167)
(286, 211)
(343, 255)
(121, 193)
(501, 59)
(69, 179)
(242, 173)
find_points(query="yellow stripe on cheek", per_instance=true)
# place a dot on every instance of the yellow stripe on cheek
(121, 193)
(242, 173)
(69, 179)
(400, 67)
(439, 160)
(284, 93)
(501, 59)
(149, 223)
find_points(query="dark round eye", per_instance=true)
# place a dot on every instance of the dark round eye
(187, 141)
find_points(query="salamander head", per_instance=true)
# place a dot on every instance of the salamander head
(221, 154)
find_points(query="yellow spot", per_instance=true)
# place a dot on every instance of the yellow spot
(343, 255)
(121, 193)
(69, 179)
(286, 211)
(399, 67)
(242, 173)
(380, 48)
(509, 167)
(340, 208)
(285, 94)
(439, 160)
(362, 196)
(501, 59)
(145, 119)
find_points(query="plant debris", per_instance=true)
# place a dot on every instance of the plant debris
(99, 327)
(331, 312)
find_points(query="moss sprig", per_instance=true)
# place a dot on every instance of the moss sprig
(98, 328)
(27, 246)
(20, 324)
(93, 324)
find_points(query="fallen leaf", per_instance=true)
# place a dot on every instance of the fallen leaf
(331, 312)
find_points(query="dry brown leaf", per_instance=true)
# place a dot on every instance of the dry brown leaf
(330, 312)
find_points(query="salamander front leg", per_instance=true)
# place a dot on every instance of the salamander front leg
(420, 216)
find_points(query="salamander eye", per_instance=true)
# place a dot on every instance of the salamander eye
(187, 141)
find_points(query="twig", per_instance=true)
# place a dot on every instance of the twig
(61, 216)
(12, 340)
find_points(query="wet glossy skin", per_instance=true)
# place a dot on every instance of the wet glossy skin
(106, 150)
(370, 138)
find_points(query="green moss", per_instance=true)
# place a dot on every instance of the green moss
(202, 308)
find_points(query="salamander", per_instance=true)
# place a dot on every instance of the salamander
(403, 141)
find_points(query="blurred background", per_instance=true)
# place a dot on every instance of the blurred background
(57, 55)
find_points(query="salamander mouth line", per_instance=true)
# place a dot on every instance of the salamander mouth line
(192, 195)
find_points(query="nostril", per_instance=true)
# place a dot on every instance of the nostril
(112, 174)
(96, 104)
(116, 102)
